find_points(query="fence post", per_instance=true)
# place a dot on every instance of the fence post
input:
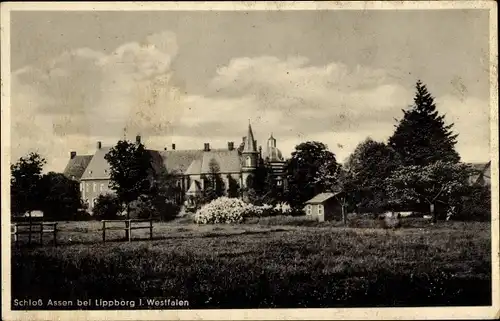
(15, 233)
(150, 229)
(129, 230)
(55, 234)
(41, 234)
(104, 231)
(29, 233)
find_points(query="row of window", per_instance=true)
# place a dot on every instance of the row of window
(310, 207)
(92, 201)
(102, 187)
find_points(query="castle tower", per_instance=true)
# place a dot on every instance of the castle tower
(250, 155)
(271, 142)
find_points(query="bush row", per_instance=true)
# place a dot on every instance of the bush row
(234, 210)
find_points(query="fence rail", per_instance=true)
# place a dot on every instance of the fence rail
(34, 229)
(128, 227)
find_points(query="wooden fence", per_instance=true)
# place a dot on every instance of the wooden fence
(34, 229)
(128, 227)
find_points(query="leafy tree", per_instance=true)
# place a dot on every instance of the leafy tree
(167, 185)
(345, 190)
(25, 187)
(107, 206)
(421, 137)
(476, 205)
(61, 196)
(273, 194)
(438, 183)
(216, 182)
(131, 171)
(366, 170)
(233, 189)
(310, 171)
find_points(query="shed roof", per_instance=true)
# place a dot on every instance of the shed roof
(321, 198)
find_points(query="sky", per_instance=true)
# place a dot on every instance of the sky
(190, 77)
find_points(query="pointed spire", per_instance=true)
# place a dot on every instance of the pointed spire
(250, 146)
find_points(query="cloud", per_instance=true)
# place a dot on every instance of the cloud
(85, 95)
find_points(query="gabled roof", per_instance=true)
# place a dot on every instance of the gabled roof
(76, 166)
(321, 198)
(480, 171)
(195, 167)
(99, 168)
(194, 188)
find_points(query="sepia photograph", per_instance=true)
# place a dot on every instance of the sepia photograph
(283, 160)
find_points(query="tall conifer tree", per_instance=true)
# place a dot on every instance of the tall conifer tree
(422, 137)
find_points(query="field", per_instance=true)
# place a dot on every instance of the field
(264, 263)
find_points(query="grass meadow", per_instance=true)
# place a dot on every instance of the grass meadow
(275, 262)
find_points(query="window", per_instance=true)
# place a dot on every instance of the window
(308, 209)
(94, 186)
(81, 187)
(320, 209)
(101, 188)
(249, 161)
(87, 187)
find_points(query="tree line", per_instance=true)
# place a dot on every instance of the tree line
(418, 168)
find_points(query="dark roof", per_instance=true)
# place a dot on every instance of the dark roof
(250, 146)
(321, 198)
(76, 166)
(229, 161)
(178, 161)
(98, 167)
(480, 172)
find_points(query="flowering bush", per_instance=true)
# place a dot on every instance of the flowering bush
(234, 210)
(283, 209)
(222, 210)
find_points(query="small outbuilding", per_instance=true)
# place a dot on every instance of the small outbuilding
(324, 207)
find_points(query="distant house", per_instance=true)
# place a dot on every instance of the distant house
(96, 178)
(481, 174)
(324, 207)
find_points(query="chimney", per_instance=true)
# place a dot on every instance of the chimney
(206, 147)
(99, 145)
(230, 145)
(138, 139)
(173, 146)
(72, 155)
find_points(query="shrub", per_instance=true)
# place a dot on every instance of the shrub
(142, 208)
(476, 206)
(222, 210)
(157, 207)
(390, 220)
(107, 206)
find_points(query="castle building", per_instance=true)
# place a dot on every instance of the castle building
(192, 167)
